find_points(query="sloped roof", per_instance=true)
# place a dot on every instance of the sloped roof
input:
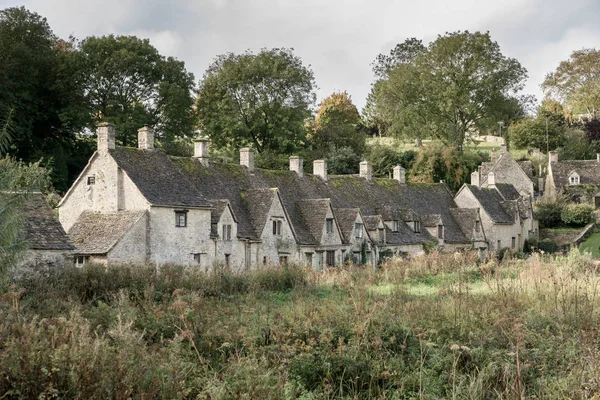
(508, 191)
(157, 178)
(503, 163)
(432, 220)
(372, 222)
(258, 203)
(491, 202)
(346, 217)
(219, 208)
(406, 235)
(511, 207)
(218, 181)
(98, 233)
(313, 213)
(42, 230)
(527, 167)
(588, 170)
(466, 218)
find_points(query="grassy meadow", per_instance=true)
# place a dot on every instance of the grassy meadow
(434, 327)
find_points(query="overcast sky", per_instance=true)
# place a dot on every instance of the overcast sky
(337, 38)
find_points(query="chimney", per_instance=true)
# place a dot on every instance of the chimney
(320, 169)
(146, 138)
(366, 170)
(201, 149)
(491, 182)
(553, 156)
(247, 158)
(475, 180)
(106, 137)
(493, 156)
(503, 149)
(297, 165)
(399, 174)
(598, 157)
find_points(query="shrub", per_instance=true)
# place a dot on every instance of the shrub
(548, 211)
(530, 245)
(577, 214)
(547, 246)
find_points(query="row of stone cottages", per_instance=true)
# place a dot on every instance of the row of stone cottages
(139, 205)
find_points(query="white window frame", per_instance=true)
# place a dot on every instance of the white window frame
(358, 230)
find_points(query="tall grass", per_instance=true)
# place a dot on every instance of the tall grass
(437, 326)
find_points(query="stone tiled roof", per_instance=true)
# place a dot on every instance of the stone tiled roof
(97, 233)
(588, 170)
(219, 208)
(432, 220)
(346, 217)
(258, 203)
(379, 196)
(43, 231)
(508, 191)
(372, 222)
(466, 218)
(527, 167)
(313, 212)
(156, 177)
(491, 201)
(503, 163)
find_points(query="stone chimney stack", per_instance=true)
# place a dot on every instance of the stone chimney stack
(553, 156)
(399, 174)
(146, 138)
(598, 157)
(475, 178)
(201, 145)
(491, 179)
(366, 170)
(503, 149)
(106, 137)
(297, 165)
(493, 156)
(247, 158)
(320, 169)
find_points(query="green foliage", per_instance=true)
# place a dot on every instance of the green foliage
(439, 163)
(343, 160)
(576, 82)
(547, 246)
(385, 158)
(548, 210)
(260, 100)
(459, 83)
(537, 133)
(128, 83)
(577, 214)
(530, 245)
(577, 146)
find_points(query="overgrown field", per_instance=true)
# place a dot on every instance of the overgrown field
(439, 326)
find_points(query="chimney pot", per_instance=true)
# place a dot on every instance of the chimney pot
(146, 138)
(247, 158)
(400, 174)
(106, 137)
(366, 170)
(297, 165)
(320, 169)
(475, 179)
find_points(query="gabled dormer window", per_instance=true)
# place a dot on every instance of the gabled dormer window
(440, 231)
(395, 226)
(358, 230)
(277, 225)
(381, 235)
(417, 226)
(227, 232)
(574, 179)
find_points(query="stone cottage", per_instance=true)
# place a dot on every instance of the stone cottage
(577, 179)
(140, 205)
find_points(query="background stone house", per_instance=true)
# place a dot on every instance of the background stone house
(577, 179)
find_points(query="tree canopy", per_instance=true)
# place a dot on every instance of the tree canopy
(576, 82)
(262, 100)
(460, 83)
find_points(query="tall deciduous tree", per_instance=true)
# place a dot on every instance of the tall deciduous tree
(460, 83)
(260, 99)
(337, 124)
(576, 82)
(127, 82)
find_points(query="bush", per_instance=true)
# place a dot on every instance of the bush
(548, 211)
(547, 246)
(530, 245)
(577, 214)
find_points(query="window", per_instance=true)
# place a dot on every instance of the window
(283, 260)
(574, 179)
(477, 226)
(417, 225)
(264, 260)
(358, 230)
(197, 258)
(319, 260)
(356, 257)
(227, 232)
(227, 259)
(181, 219)
(395, 226)
(440, 231)
(381, 235)
(499, 245)
(277, 224)
(329, 225)
(80, 261)
(330, 258)
(513, 243)
(91, 180)
(309, 258)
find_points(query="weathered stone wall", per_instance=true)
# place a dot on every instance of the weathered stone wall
(133, 246)
(234, 247)
(41, 261)
(274, 246)
(172, 244)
